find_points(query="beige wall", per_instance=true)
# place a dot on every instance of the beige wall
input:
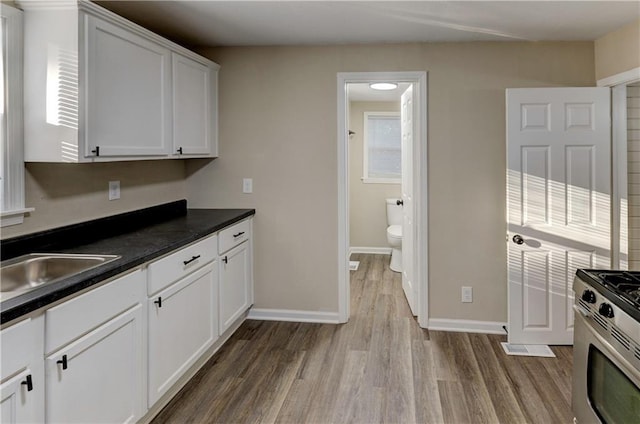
(618, 51)
(278, 125)
(64, 194)
(367, 207)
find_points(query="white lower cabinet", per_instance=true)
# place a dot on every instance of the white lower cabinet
(183, 324)
(236, 279)
(97, 378)
(22, 384)
(98, 375)
(110, 354)
(18, 404)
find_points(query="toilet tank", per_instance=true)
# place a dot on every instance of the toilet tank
(394, 212)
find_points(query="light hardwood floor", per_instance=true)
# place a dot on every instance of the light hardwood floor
(380, 367)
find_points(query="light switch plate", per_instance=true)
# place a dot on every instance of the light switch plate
(467, 295)
(114, 190)
(247, 185)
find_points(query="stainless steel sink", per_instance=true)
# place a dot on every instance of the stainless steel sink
(30, 271)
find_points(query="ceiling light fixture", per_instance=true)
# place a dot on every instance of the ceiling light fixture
(383, 85)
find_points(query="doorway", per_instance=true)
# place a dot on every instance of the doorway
(417, 196)
(625, 117)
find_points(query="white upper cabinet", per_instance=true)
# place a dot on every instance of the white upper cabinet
(100, 88)
(194, 107)
(126, 91)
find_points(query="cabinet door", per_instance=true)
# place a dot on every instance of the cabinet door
(235, 285)
(99, 377)
(192, 107)
(182, 325)
(22, 373)
(18, 401)
(128, 93)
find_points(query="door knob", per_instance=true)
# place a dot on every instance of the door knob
(517, 239)
(399, 202)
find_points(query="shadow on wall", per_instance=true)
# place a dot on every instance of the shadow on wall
(192, 166)
(56, 181)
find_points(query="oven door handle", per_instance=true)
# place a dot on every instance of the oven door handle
(628, 368)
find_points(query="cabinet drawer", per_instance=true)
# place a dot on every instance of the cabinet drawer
(169, 269)
(76, 317)
(234, 235)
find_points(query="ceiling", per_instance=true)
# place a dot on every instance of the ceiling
(260, 23)
(362, 92)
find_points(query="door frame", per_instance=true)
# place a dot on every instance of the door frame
(420, 248)
(619, 195)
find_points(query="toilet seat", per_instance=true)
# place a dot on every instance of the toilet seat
(395, 231)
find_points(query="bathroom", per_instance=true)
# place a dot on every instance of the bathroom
(375, 180)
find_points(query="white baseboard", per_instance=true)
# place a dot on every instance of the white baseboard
(293, 316)
(370, 250)
(467, 326)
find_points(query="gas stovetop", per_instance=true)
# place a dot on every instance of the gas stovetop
(622, 288)
(624, 283)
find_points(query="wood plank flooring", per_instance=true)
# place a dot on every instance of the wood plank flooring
(380, 367)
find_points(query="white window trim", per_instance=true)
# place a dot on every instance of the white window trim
(13, 209)
(365, 156)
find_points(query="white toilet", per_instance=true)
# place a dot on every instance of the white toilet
(394, 233)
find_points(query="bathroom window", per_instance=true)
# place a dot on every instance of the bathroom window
(382, 152)
(11, 145)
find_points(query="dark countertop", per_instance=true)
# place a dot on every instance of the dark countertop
(150, 233)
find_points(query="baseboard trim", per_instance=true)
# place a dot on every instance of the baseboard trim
(467, 326)
(294, 316)
(370, 250)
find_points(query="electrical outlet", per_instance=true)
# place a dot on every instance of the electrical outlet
(247, 185)
(467, 294)
(114, 190)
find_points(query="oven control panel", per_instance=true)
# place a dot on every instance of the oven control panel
(591, 303)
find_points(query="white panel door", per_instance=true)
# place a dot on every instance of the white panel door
(128, 100)
(558, 204)
(407, 113)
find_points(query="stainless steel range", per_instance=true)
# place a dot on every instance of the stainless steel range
(606, 349)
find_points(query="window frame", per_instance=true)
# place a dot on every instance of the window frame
(12, 204)
(365, 145)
